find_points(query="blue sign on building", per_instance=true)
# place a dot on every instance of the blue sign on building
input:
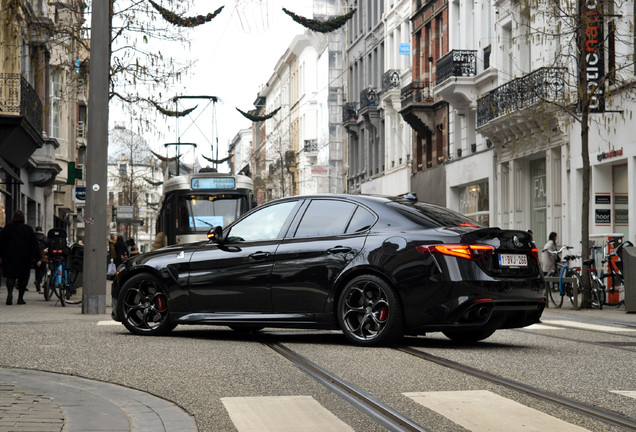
(405, 48)
(80, 193)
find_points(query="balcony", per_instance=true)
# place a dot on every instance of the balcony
(20, 119)
(457, 63)
(368, 98)
(418, 107)
(545, 84)
(390, 80)
(311, 146)
(503, 114)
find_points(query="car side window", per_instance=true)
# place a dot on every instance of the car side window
(264, 224)
(324, 218)
(362, 220)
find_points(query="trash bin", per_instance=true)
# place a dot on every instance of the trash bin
(629, 273)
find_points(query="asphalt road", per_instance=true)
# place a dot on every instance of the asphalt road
(220, 377)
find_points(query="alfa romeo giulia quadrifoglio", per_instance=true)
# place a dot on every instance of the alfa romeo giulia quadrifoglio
(376, 268)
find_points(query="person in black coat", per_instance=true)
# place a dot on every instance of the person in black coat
(121, 251)
(18, 251)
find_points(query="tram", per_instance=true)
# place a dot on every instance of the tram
(193, 203)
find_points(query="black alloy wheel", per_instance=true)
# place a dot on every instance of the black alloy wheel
(369, 312)
(144, 306)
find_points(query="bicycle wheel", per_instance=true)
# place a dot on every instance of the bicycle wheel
(598, 293)
(73, 292)
(46, 287)
(553, 292)
(575, 289)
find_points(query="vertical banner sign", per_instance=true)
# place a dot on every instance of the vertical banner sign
(594, 49)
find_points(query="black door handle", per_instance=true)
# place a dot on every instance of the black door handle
(259, 255)
(339, 249)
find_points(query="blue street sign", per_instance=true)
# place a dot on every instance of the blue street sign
(405, 48)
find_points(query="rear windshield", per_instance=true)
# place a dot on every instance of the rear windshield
(431, 215)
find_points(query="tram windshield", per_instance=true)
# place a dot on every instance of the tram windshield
(201, 212)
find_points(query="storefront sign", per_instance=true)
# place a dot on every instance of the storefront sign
(405, 48)
(593, 37)
(602, 199)
(80, 193)
(610, 154)
(603, 216)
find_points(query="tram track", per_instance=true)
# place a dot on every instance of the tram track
(394, 421)
(589, 411)
(376, 410)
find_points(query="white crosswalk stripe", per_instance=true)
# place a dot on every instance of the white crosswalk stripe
(282, 413)
(484, 411)
(557, 324)
(631, 394)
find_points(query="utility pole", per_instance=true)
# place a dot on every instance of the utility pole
(94, 294)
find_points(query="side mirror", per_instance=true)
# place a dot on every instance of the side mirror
(215, 234)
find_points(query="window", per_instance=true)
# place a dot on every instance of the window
(473, 202)
(55, 102)
(264, 224)
(325, 218)
(362, 220)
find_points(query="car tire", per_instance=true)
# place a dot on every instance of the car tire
(143, 306)
(468, 336)
(369, 312)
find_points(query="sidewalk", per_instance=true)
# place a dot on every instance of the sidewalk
(32, 400)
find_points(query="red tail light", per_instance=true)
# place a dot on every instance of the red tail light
(535, 254)
(471, 252)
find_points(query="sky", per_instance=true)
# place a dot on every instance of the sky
(236, 54)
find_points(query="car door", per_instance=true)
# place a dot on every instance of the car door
(330, 233)
(234, 275)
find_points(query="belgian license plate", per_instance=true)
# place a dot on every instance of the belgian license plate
(513, 260)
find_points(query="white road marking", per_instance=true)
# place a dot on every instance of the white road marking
(587, 326)
(282, 413)
(628, 393)
(484, 411)
(108, 323)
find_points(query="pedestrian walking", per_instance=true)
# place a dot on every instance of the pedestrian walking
(121, 251)
(18, 251)
(40, 270)
(549, 260)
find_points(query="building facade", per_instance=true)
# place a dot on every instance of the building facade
(40, 78)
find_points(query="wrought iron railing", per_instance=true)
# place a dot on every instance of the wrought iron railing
(545, 84)
(415, 92)
(368, 98)
(18, 97)
(311, 146)
(390, 80)
(457, 63)
(349, 112)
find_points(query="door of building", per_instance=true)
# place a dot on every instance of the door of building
(538, 201)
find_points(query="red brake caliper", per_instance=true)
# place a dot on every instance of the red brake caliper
(384, 313)
(161, 303)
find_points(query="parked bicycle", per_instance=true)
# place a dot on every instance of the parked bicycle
(615, 267)
(61, 280)
(569, 283)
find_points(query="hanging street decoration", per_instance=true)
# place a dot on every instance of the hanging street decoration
(175, 19)
(170, 113)
(165, 158)
(321, 26)
(256, 118)
(217, 161)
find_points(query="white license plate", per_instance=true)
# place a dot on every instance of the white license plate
(513, 260)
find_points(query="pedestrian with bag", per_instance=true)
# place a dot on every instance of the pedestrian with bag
(18, 251)
(549, 260)
(40, 270)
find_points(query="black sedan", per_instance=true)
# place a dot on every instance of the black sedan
(374, 267)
